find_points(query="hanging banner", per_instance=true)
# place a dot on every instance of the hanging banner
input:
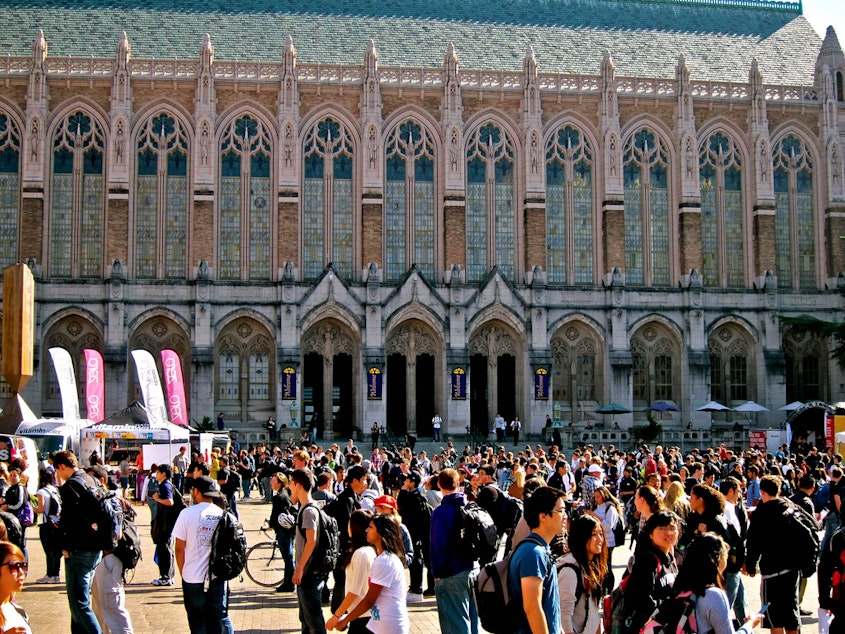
(459, 384)
(67, 383)
(150, 387)
(95, 385)
(828, 431)
(289, 384)
(541, 384)
(757, 439)
(373, 384)
(177, 404)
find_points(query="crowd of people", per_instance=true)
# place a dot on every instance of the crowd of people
(701, 524)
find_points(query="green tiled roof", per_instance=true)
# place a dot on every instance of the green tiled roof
(569, 36)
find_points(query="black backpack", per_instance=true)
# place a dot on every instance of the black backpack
(128, 549)
(478, 532)
(228, 548)
(327, 549)
(801, 533)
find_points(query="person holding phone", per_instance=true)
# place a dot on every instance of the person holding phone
(702, 573)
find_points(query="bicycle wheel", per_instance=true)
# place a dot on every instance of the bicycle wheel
(265, 565)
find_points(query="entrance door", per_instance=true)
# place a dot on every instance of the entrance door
(506, 388)
(478, 414)
(312, 391)
(397, 395)
(425, 406)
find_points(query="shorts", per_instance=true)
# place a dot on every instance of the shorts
(781, 593)
(124, 482)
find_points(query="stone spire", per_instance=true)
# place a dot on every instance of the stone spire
(121, 112)
(289, 116)
(370, 107)
(829, 127)
(451, 119)
(758, 131)
(205, 113)
(532, 122)
(685, 130)
(609, 126)
(37, 99)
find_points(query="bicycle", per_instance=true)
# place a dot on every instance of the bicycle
(264, 562)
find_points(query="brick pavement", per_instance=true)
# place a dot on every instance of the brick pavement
(254, 610)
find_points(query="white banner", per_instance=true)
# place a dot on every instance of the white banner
(150, 384)
(67, 383)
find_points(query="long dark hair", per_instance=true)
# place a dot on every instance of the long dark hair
(594, 569)
(358, 523)
(701, 564)
(391, 536)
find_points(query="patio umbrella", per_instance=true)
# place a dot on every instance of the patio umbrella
(612, 408)
(713, 406)
(663, 406)
(792, 406)
(751, 406)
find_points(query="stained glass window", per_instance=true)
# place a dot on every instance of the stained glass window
(409, 200)
(647, 229)
(244, 210)
(722, 244)
(795, 234)
(491, 225)
(328, 197)
(230, 377)
(259, 377)
(10, 147)
(161, 199)
(663, 377)
(639, 373)
(569, 204)
(717, 392)
(77, 198)
(739, 378)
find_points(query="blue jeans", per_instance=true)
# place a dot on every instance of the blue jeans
(164, 555)
(284, 538)
(208, 610)
(309, 594)
(79, 573)
(455, 605)
(736, 594)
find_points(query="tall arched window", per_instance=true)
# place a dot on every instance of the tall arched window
(409, 201)
(731, 365)
(244, 368)
(654, 374)
(795, 233)
(78, 198)
(328, 199)
(646, 210)
(722, 248)
(245, 201)
(161, 200)
(10, 196)
(491, 227)
(569, 208)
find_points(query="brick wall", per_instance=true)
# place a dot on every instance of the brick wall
(834, 228)
(535, 238)
(689, 228)
(32, 229)
(764, 242)
(372, 247)
(455, 245)
(203, 233)
(288, 233)
(614, 236)
(117, 227)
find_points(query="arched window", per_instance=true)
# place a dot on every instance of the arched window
(569, 208)
(806, 360)
(577, 371)
(409, 201)
(78, 198)
(10, 196)
(646, 210)
(245, 201)
(795, 233)
(161, 200)
(654, 374)
(731, 365)
(491, 227)
(722, 249)
(328, 200)
(245, 374)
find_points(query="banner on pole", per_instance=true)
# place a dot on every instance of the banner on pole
(150, 384)
(177, 405)
(63, 365)
(95, 385)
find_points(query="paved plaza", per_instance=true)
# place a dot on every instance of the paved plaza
(254, 610)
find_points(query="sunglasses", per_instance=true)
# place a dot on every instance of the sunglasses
(17, 566)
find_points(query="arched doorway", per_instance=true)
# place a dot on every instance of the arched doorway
(413, 387)
(496, 381)
(329, 380)
(155, 334)
(74, 333)
(577, 371)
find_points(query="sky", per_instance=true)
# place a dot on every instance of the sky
(825, 13)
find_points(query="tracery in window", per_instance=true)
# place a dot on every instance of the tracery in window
(245, 371)
(722, 244)
(328, 199)
(732, 376)
(77, 198)
(646, 210)
(73, 333)
(569, 207)
(245, 216)
(161, 199)
(653, 369)
(795, 235)
(10, 195)
(806, 367)
(490, 209)
(577, 370)
(409, 200)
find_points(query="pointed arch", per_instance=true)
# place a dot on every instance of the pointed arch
(732, 347)
(12, 133)
(807, 362)
(156, 330)
(656, 350)
(578, 367)
(73, 330)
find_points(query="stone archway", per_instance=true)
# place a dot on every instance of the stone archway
(74, 333)
(154, 335)
(414, 386)
(497, 375)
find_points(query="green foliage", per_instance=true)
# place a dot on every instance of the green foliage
(648, 432)
(821, 329)
(204, 425)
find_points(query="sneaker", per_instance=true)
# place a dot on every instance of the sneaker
(164, 581)
(414, 597)
(286, 588)
(56, 579)
(45, 580)
(428, 593)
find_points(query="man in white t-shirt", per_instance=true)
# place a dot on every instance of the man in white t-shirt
(436, 423)
(207, 608)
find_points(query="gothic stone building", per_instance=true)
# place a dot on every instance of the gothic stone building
(376, 214)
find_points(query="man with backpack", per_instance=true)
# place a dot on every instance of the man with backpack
(416, 515)
(78, 539)
(340, 509)
(309, 585)
(452, 561)
(206, 601)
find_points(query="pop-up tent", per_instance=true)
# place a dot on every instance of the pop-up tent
(132, 423)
